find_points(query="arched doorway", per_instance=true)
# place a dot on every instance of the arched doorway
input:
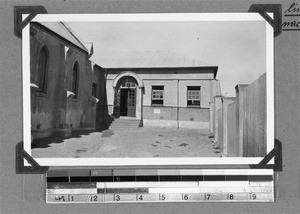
(125, 97)
(128, 95)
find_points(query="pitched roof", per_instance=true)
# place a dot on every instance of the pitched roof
(66, 32)
(145, 59)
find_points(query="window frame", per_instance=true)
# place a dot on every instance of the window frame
(161, 99)
(128, 85)
(94, 89)
(75, 79)
(196, 89)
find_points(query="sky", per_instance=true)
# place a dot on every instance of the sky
(238, 48)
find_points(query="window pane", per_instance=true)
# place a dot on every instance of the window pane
(157, 95)
(196, 88)
(75, 79)
(196, 102)
(157, 87)
(158, 102)
(193, 96)
(94, 90)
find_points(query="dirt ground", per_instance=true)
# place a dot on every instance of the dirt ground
(140, 142)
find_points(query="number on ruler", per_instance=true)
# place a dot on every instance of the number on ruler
(162, 197)
(94, 198)
(140, 197)
(230, 196)
(71, 198)
(117, 197)
(252, 196)
(185, 197)
(207, 196)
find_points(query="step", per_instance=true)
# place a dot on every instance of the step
(125, 123)
(121, 121)
(123, 126)
(132, 123)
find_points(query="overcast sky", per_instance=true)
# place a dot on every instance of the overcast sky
(238, 48)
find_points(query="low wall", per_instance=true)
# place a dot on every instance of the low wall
(170, 113)
(159, 113)
(168, 116)
(177, 124)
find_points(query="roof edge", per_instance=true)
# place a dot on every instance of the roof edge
(59, 36)
(215, 68)
(69, 29)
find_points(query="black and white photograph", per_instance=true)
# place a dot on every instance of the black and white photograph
(156, 87)
(149, 106)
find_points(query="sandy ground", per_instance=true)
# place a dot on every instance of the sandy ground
(140, 142)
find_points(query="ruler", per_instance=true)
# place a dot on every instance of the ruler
(138, 186)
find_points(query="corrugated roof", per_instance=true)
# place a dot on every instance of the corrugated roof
(145, 59)
(66, 32)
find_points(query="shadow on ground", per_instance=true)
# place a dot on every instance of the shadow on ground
(45, 142)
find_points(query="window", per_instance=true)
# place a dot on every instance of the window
(75, 79)
(193, 96)
(128, 85)
(94, 90)
(157, 95)
(42, 70)
(128, 82)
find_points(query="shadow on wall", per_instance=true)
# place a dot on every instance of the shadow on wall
(103, 119)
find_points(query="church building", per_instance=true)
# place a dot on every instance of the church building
(64, 82)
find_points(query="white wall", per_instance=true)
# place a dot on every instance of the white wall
(169, 81)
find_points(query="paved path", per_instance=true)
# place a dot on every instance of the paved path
(141, 142)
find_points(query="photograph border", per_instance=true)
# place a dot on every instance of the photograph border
(182, 161)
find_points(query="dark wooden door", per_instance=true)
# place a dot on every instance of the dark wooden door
(123, 102)
(131, 102)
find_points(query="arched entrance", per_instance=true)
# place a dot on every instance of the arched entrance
(127, 95)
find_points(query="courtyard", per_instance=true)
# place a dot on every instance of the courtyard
(129, 143)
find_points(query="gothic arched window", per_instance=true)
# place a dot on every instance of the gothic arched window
(42, 69)
(75, 79)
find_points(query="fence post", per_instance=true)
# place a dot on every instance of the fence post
(226, 102)
(211, 117)
(217, 106)
(232, 143)
(240, 110)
